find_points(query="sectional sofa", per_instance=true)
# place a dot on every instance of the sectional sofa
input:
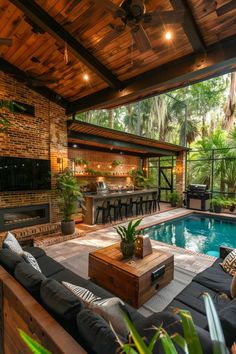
(45, 309)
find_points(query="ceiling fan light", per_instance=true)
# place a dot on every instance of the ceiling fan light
(168, 35)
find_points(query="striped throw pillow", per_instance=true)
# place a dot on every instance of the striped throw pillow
(229, 263)
(29, 258)
(84, 294)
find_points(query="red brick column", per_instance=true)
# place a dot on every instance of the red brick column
(180, 174)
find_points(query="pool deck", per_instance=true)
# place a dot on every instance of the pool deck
(73, 254)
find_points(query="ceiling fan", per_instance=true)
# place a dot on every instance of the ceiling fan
(33, 80)
(6, 41)
(132, 14)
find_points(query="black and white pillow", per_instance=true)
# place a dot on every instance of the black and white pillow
(84, 294)
(29, 258)
(12, 244)
(110, 309)
(229, 263)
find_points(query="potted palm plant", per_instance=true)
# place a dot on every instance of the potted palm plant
(174, 199)
(70, 197)
(128, 237)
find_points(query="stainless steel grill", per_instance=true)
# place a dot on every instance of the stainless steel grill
(198, 197)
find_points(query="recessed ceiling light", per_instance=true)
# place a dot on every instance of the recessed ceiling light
(75, 146)
(168, 36)
(86, 77)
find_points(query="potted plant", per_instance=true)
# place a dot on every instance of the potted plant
(70, 196)
(116, 163)
(174, 198)
(217, 203)
(128, 237)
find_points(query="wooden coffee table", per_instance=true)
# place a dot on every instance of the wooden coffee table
(134, 280)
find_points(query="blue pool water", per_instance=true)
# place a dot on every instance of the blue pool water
(196, 232)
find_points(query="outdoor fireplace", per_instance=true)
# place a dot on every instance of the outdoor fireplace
(16, 217)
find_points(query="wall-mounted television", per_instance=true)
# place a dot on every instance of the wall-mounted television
(21, 174)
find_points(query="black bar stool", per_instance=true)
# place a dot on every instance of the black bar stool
(127, 205)
(156, 200)
(147, 203)
(116, 208)
(105, 210)
(138, 205)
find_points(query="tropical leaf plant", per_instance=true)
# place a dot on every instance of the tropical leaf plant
(34, 346)
(10, 106)
(189, 342)
(128, 234)
(69, 194)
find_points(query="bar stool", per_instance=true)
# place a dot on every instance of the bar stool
(128, 207)
(116, 208)
(105, 210)
(155, 201)
(138, 205)
(147, 203)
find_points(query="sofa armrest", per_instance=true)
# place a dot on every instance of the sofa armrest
(224, 251)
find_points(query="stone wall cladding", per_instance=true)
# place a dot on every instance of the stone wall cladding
(43, 136)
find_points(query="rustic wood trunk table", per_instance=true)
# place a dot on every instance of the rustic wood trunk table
(134, 280)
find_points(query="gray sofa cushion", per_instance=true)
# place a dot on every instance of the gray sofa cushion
(96, 333)
(29, 277)
(48, 266)
(215, 278)
(171, 323)
(228, 321)
(60, 300)
(35, 251)
(9, 260)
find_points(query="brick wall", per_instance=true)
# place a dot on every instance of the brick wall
(41, 137)
(180, 174)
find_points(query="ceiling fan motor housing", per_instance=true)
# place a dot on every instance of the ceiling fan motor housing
(134, 12)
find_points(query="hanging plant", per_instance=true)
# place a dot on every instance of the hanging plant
(80, 162)
(116, 163)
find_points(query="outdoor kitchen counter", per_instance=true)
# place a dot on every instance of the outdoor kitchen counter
(94, 199)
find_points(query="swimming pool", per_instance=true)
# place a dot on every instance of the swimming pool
(196, 232)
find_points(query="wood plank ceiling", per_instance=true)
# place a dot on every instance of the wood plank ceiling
(118, 71)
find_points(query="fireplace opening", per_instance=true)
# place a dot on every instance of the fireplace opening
(16, 217)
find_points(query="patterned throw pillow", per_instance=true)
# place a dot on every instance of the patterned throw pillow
(229, 263)
(12, 244)
(84, 294)
(110, 309)
(29, 258)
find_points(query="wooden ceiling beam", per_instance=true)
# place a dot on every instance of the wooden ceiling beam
(43, 20)
(217, 60)
(44, 91)
(189, 25)
(226, 8)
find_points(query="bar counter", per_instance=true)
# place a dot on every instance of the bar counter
(92, 200)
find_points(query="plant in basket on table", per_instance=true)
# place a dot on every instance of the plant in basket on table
(70, 197)
(128, 237)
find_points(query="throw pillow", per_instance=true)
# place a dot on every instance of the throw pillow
(112, 310)
(229, 263)
(12, 244)
(84, 294)
(233, 287)
(29, 258)
(96, 333)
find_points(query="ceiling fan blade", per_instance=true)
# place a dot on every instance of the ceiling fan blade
(114, 34)
(226, 8)
(6, 41)
(140, 37)
(156, 18)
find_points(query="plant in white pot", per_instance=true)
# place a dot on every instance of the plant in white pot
(128, 237)
(69, 198)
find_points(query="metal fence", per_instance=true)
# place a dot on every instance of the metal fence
(214, 167)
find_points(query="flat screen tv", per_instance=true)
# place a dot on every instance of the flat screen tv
(17, 174)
